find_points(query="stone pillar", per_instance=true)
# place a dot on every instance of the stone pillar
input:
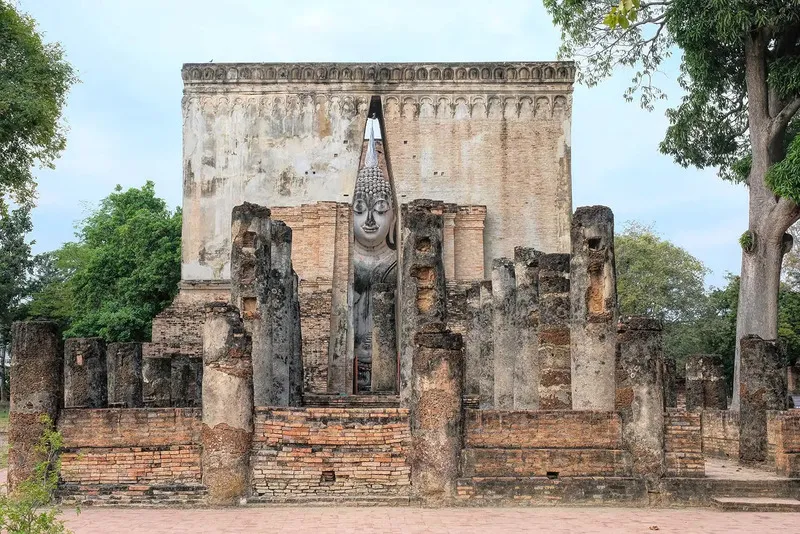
(423, 294)
(280, 287)
(593, 309)
(670, 385)
(449, 242)
(186, 381)
(762, 388)
(384, 344)
(36, 390)
(296, 376)
(526, 366)
(227, 405)
(85, 373)
(472, 347)
(486, 338)
(705, 382)
(506, 336)
(554, 360)
(157, 382)
(640, 394)
(250, 268)
(436, 416)
(124, 368)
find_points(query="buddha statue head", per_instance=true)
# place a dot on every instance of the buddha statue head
(373, 204)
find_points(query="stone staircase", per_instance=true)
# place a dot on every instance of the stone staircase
(558, 457)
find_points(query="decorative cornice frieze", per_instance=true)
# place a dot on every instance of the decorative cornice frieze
(370, 74)
(542, 106)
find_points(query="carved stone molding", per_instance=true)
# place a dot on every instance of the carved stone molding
(379, 73)
(397, 107)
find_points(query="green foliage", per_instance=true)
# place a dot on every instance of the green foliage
(623, 15)
(659, 279)
(783, 178)
(34, 80)
(123, 270)
(655, 277)
(26, 510)
(634, 39)
(710, 126)
(15, 263)
(746, 241)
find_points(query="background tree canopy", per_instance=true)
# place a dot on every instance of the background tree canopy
(122, 271)
(657, 278)
(34, 80)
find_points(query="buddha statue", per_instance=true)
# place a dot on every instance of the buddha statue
(374, 254)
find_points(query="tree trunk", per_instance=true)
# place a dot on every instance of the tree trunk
(769, 216)
(758, 293)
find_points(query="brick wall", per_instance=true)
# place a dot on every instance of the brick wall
(322, 453)
(118, 456)
(720, 433)
(543, 429)
(683, 444)
(783, 437)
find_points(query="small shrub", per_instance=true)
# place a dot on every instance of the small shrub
(26, 510)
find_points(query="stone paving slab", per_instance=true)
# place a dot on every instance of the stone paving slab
(313, 520)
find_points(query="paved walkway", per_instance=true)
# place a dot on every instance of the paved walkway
(311, 520)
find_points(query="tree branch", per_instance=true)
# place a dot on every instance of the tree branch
(785, 214)
(779, 122)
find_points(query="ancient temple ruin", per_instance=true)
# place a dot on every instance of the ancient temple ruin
(387, 297)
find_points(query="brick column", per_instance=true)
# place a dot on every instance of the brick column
(227, 405)
(762, 387)
(526, 366)
(157, 382)
(593, 313)
(640, 394)
(554, 360)
(705, 382)
(36, 390)
(85, 373)
(468, 242)
(423, 297)
(505, 335)
(436, 415)
(124, 368)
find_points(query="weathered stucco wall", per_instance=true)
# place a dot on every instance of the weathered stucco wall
(287, 134)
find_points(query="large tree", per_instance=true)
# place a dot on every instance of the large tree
(740, 70)
(34, 80)
(121, 272)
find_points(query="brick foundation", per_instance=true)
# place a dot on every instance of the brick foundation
(720, 433)
(543, 429)
(783, 437)
(131, 456)
(324, 453)
(683, 444)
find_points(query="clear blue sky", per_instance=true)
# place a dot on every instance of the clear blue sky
(125, 120)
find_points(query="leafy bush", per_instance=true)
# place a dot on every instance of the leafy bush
(26, 510)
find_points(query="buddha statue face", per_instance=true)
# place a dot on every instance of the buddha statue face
(373, 217)
(373, 210)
